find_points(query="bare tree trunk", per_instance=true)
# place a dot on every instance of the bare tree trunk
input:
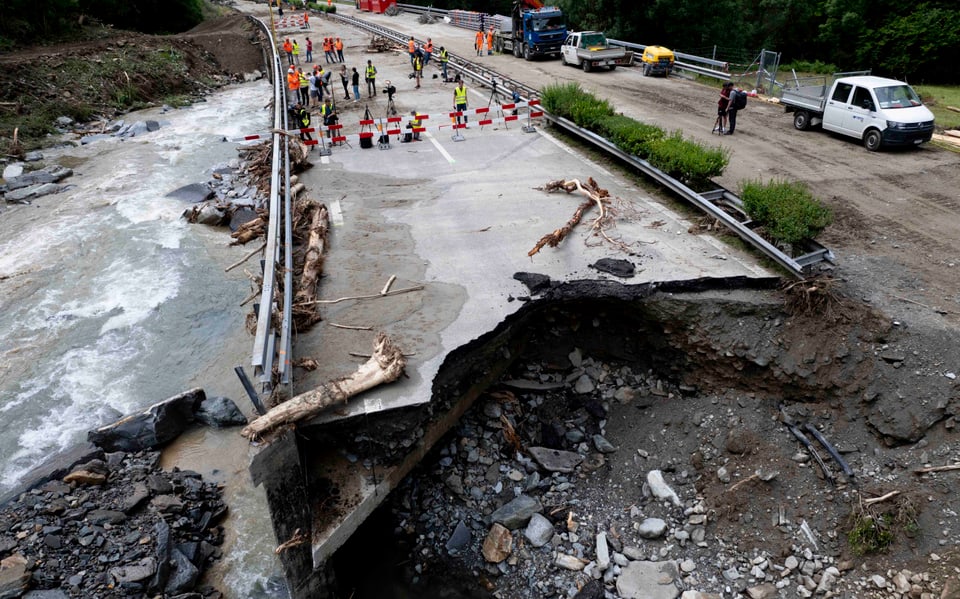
(384, 366)
(313, 257)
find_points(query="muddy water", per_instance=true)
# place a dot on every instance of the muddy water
(112, 303)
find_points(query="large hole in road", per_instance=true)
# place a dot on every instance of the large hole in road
(593, 394)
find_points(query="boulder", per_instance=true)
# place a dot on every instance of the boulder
(219, 412)
(160, 423)
(89, 139)
(555, 460)
(184, 575)
(648, 580)
(137, 572)
(241, 217)
(652, 528)
(517, 513)
(539, 530)
(459, 539)
(12, 170)
(162, 555)
(33, 191)
(85, 477)
(660, 489)
(498, 545)
(193, 193)
(14, 576)
(210, 215)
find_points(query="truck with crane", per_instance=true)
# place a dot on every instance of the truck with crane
(532, 30)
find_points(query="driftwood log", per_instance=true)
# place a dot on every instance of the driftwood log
(317, 224)
(594, 195)
(384, 366)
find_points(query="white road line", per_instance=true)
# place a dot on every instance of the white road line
(336, 213)
(439, 148)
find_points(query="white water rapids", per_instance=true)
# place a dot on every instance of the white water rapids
(112, 303)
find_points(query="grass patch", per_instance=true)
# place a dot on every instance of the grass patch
(874, 528)
(787, 210)
(937, 98)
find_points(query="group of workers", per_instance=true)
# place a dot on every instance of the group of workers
(332, 50)
(478, 42)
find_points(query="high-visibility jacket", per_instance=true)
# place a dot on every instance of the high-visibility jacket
(304, 117)
(371, 72)
(489, 40)
(460, 95)
(415, 121)
(304, 80)
(339, 44)
(411, 46)
(479, 42)
(287, 47)
(428, 48)
(326, 109)
(296, 49)
(326, 44)
(417, 63)
(293, 80)
(443, 55)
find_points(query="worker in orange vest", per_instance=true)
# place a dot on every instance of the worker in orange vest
(328, 50)
(411, 48)
(306, 20)
(427, 51)
(288, 48)
(293, 86)
(338, 46)
(490, 41)
(478, 44)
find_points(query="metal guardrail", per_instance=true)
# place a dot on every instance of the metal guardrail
(265, 348)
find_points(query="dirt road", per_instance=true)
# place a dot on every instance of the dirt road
(896, 233)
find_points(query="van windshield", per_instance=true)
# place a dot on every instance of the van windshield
(897, 96)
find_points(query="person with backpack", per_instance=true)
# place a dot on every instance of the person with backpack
(738, 101)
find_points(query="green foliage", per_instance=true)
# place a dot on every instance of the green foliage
(787, 210)
(684, 159)
(687, 160)
(870, 535)
(937, 98)
(629, 135)
(809, 67)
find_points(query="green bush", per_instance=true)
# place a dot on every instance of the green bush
(787, 210)
(629, 135)
(806, 66)
(559, 98)
(686, 159)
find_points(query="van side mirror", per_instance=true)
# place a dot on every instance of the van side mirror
(868, 105)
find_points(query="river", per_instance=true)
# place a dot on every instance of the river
(112, 302)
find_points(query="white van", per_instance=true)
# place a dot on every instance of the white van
(879, 111)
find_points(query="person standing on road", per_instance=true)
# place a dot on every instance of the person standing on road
(345, 81)
(338, 46)
(328, 50)
(288, 49)
(444, 59)
(304, 87)
(309, 50)
(315, 84)
(478, 44)
(293, 86)
(732, 109)
(427, 51)
(490, 41)
(371, 77)
(303, 121)
(296, 52)
(460, 103)
(355, 80)
(723, 104)
(411, 49)
(417, 68)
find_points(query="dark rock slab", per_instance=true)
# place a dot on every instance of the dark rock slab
(193, 193)
(219, 412)
(241, 217)
(136, 572)
(459, 539)
(152, 126)
(555, 460)
(615, 266)
(50, 174)
(136, 498)
(105, 516)
(46, 594)
(535, 282)
(517, 513)
(164, 549)
(158, 424)
(184, 575)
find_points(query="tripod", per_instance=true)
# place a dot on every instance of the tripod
(718, 125)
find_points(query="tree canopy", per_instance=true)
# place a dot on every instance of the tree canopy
(916, 41)
(30, 22)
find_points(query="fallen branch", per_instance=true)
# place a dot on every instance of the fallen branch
(874, 500)
(385, 366)
(388, 285)
(363, 297)
(245, 258)
(946, 468)
(916, 303)
(349, 327)
(299, 538)
(754, 476)
(593, 194)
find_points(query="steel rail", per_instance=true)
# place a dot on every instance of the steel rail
(717, 203)
(265, 338)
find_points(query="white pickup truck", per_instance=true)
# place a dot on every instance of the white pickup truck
(880, 112)
(590, 49)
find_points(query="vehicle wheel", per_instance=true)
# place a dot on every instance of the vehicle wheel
(516, 49)
(872, 140)
(646, 70)
(613, 66)
(527, 55)
(563, 59)
(498, 46)
(587, 67)
(801, 120)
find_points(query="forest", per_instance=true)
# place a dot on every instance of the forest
(913, 41)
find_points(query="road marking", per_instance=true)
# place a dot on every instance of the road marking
(439, 148)
(336, 213)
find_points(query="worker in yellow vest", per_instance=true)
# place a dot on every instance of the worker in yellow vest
(460, 102)
(371, 77)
